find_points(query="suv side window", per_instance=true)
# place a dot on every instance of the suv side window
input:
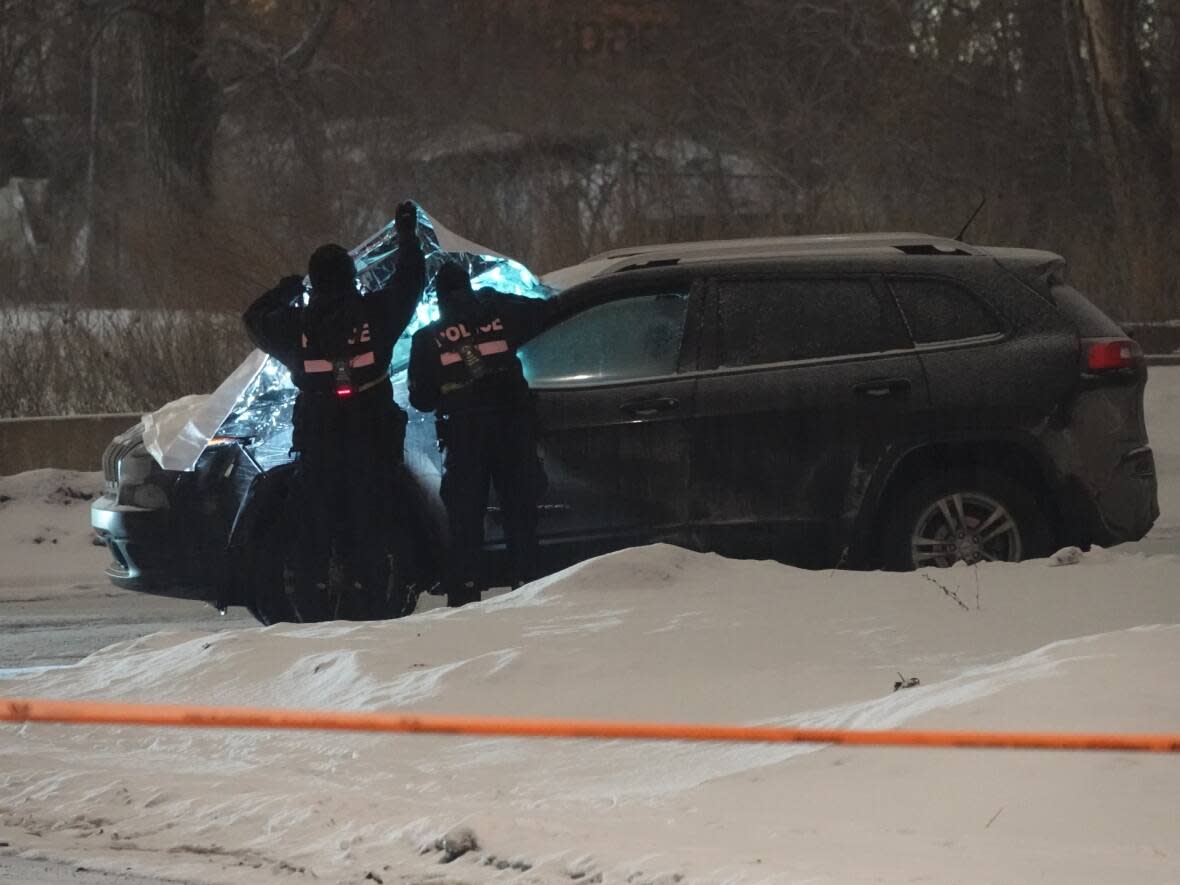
(940, 310)
(774, 321)
(637, 337)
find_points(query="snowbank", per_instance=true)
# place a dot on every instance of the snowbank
(657, 633)
(1162, 406)
(45, 534)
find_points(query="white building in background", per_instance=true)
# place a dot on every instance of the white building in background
(21, 237)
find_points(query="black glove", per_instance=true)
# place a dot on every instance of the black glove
(405, 220)
(290, 287)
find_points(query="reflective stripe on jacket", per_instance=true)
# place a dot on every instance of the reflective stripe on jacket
(358, 362)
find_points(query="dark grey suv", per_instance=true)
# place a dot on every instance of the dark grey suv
(892, 400)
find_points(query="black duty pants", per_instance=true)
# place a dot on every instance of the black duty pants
(483, 449)
(343, 502)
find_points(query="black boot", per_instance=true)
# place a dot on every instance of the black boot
(464, 593)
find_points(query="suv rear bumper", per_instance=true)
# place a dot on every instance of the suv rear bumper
(1121, 512)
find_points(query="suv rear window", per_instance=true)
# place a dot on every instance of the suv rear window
(776, 321)
(1090, 321)
(940, 310)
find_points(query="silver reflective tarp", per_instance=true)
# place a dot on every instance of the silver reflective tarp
(255, 402)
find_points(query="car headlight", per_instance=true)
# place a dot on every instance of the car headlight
(135, 467)
(135, 470)
(218, 441)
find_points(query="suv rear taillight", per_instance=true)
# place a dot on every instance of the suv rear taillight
(1110, 355)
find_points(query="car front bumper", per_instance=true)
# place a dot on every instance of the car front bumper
(142, 548)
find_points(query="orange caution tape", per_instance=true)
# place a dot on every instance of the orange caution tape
(101, 713)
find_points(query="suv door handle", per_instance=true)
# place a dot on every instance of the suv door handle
(883, 387)
(646, 408)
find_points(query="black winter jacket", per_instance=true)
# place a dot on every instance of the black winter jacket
(281, 325)
(445, 376)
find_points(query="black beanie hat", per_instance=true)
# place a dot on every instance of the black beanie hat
(452, 277)
(332, 271)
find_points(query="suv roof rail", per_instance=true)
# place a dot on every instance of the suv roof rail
(672, 253)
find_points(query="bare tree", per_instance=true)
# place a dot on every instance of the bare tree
(1134, 100)
(184, 45)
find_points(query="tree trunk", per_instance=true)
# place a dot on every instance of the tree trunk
(1135, 144)
(181, 100)
(92, 159)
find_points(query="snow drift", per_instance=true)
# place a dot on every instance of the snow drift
(655, 633)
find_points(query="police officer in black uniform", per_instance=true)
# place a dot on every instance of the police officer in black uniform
(464, 367)
(348, 432)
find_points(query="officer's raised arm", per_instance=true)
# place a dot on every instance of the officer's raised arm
(272, 321)
(404, 289)
(529, 316)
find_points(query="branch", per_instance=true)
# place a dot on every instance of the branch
(299, 55)
(112, 14)
(296, 59)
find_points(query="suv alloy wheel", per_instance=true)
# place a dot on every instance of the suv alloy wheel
(964, 516)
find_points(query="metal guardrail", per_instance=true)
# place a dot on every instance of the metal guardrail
(76, 442)
(72, 442)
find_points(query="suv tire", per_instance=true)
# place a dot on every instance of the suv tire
(964, 515)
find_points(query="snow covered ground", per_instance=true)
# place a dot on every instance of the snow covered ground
(654, 633)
